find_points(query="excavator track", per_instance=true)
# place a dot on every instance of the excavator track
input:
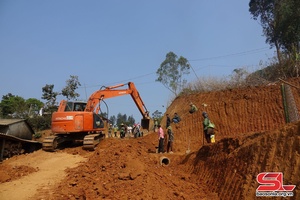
(50, 143)
(91, 141)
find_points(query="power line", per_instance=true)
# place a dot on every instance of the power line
(233, 54)
(190, 60)
(121, 81)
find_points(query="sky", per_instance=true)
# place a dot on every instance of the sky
(111, 42)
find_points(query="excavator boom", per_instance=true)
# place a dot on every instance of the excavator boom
(110, 92)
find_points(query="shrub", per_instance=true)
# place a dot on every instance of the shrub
(39, 123)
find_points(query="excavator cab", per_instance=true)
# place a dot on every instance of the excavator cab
(98, 121)
(75, 106)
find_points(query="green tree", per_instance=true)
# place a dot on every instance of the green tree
(124, 119)
(121, 119)
(157, 114)
(6, 105)
(72, 84)
(13, 106)
(130, 120)
(290, 33)
(49, 95)
(34, 105)
(112, 119)
(289, 25)
(171, 71)
(280, 20)
(265, 10)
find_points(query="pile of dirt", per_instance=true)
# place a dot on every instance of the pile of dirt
(252, 137)
(10, 173)
(129, 169)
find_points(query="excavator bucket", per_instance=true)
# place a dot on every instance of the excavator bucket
(145, 124)
(16, 138)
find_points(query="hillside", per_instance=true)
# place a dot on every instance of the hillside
(252, 137)
(235, 112)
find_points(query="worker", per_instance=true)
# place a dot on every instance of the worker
(170, 140)
(134, 130)
(110, 130)
(168, 122)
(208, 128)
(161, 138)
(176, 119)
(193, 108)
(78, 108)
(155, 125)
(137, 131)
(115, 130)
(129, 130)
(122, 131)
(125, 130)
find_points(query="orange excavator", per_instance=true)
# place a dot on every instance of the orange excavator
(75, 121)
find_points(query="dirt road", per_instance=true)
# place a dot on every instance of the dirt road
(48, 170)
(117, 169)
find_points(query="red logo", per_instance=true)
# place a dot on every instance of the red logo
(272, 181)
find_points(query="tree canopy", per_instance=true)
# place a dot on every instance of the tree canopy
(49, 95)
(171, 71)
(123, 119)
(13, 106)
(69, 90)
(280, 20)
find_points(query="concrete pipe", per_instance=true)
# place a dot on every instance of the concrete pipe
(164, 160)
